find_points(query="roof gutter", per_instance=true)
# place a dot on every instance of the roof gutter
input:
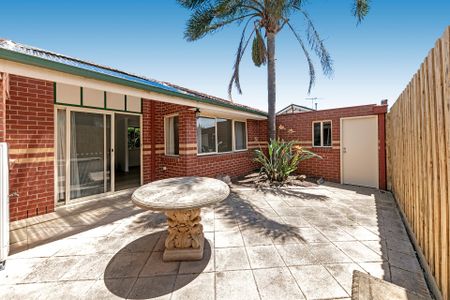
(48, 64)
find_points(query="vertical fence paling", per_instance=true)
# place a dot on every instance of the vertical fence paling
(418, 136)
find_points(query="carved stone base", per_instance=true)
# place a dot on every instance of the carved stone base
(185, 240)
(184, 254)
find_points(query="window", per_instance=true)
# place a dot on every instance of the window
(240, 135)
(322, 134)
(216, 135)
(172, 136)
(206, 135)
(224, 135)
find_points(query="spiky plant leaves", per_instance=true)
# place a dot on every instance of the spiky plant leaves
(282, 159)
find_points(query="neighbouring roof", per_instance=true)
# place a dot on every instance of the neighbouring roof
(13, 51)
(293, 108)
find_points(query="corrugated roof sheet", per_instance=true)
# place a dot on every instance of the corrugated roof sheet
(108, 71)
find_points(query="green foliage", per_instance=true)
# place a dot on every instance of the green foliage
(361, 9)
(282, 159)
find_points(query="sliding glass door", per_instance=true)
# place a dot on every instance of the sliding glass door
(85, 138)
(88, 161)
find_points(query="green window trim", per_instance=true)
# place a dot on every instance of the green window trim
(81, 96)
(81, 105)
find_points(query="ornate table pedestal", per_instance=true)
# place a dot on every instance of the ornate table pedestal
(185, 240)
(181, 199)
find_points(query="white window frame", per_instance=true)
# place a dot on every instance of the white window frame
(233, 142)
(321, 133)
(165, 134)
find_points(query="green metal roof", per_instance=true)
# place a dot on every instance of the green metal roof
(16, 52)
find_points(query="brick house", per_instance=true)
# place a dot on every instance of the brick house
(76, 130)
(119, 130)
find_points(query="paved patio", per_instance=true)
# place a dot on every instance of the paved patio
(287, 244)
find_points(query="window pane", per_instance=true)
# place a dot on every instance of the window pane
(240, 134)
(61, 155)
(86, 154)
(316, 134)
(206, 135)
(172, 136)
(224, 135)
(326, 133)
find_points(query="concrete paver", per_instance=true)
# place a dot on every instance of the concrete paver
(290, 243)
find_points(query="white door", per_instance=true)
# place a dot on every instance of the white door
(359, 151)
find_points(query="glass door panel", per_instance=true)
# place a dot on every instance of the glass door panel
(108, 153)
(87, 154)
(61, 153)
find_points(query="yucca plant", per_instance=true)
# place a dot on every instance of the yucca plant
(282, 159)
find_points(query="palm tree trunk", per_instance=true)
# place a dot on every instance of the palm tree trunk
(271, 84)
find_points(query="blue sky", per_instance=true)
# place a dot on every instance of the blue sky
(372, 61)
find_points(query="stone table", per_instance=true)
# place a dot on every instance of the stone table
(181, 199)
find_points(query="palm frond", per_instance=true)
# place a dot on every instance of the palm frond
(190, 4)
(312, 72)
(210, 16)
(243, 43)
(318, 46)
(360, 9)
(198, 24)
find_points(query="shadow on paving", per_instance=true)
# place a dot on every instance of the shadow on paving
(250, 217)
(400, 264)
(69, 221)
(131, 273)
(293, 192)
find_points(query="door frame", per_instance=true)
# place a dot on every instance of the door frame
(68, 109)
(341, 139)
(141, 148)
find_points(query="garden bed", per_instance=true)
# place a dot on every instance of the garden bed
(256, 180)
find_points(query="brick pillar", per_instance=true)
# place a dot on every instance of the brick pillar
(382, 151)
(2, 109)
(148, 151)
(189, 142)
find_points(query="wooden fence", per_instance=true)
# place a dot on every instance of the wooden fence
(418, 152)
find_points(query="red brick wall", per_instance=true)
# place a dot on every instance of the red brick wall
(30, 135)
(298, 126)
(160, 166)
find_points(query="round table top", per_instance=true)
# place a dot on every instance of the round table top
(180, 193)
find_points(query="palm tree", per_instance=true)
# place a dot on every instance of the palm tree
(262, 20)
